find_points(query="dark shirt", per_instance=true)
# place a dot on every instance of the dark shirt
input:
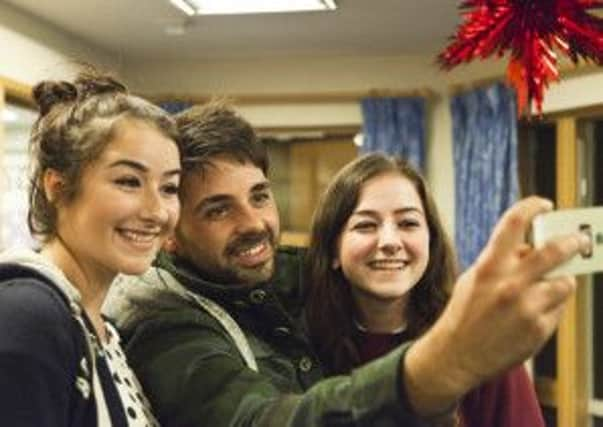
(506, 401)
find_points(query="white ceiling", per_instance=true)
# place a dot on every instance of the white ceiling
(136, 29)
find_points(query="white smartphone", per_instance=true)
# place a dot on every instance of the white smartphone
(586, 220)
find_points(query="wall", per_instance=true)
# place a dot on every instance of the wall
(32, 50)
(575, 91)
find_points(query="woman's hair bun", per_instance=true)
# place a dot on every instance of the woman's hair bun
(50, 93)
(90, 84)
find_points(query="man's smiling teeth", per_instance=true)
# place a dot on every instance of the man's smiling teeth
(138, 236)
(388, 264)
(252, 251)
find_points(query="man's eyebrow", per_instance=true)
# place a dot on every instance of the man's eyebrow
(141, 167)
(211, 200)
(221, 198)
(260, 186)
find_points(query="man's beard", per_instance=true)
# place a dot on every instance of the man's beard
(238, 274)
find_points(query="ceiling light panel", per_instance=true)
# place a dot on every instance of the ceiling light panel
(235, 7)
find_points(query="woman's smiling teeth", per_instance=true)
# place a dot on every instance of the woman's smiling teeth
(388, 264)
(138, 236)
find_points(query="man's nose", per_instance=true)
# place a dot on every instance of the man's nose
(250, 219)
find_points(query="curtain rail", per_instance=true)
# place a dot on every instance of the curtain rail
(565, 70)
(297, 98)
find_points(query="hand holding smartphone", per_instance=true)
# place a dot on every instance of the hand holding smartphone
(585, 220)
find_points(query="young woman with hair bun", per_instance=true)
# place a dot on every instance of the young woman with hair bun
(103, 198)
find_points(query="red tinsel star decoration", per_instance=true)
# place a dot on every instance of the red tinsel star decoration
(532, 30)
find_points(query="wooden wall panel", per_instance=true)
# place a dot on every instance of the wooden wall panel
(301, 195)
(313, 165)
(571, 343)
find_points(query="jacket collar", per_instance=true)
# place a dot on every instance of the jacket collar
(30, 259)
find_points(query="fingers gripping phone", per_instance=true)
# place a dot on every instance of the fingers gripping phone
(586, 220)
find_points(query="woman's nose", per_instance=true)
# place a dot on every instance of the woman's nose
(154, 208)
(389, 239)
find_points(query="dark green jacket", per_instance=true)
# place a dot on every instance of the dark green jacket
(195, 375)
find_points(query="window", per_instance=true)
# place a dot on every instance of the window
(16, 122)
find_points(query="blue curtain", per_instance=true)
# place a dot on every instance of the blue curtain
(174, 107)
(395, 126)
(484, 125)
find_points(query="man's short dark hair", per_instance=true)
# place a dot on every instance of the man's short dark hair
(215, 129)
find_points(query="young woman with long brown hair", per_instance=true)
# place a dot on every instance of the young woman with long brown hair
(380, 271)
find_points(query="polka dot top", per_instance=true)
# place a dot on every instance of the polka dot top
(136, 406)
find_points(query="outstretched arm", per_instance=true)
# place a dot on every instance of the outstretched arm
(501, 312)
(194, 377)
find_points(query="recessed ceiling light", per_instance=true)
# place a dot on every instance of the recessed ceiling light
(234, 7)
(184, 6)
